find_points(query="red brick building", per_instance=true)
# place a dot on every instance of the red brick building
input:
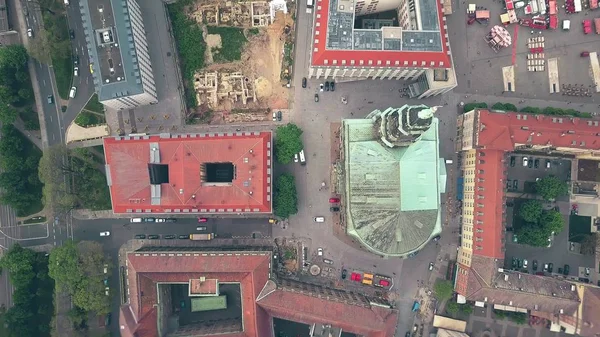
(155, 275)
(190, 173)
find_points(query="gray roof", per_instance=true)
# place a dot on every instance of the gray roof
(376, 215)
(125, 59)
(341, 34)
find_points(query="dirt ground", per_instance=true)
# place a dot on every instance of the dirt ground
(261, 62)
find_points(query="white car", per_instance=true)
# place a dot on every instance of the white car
(430, 266)
(29, 32)
(321, 86)
(76, 71)
(320, 251)
(274, 116)
(73, 92)
(296, 158)
(107, 291)
(319, 219)
(525, 161)
(107, 233)
(161, 220)
(524, 263)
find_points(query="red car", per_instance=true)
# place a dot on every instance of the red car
(587, 26)
(355, 277)
(334, 200)
(202, 219)
(384, 283)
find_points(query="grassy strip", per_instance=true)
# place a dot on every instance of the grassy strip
(232, 43)
(37, 219)
(94, 105)
(190, 46)
(63, 72)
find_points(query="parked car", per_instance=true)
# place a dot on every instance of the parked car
(161, 220)
(525, 161)
(326, 86)
(547, 163)
(334, 200)
(170, 236)
(200, 220)
(560, 270)
(184, 236)
(303, 82)
(355, 277)
(519, 263)
(384, 283)
(530, 163)
(106, 233)
(436, 238)
(279, 115)
(29, 32)
(149, 219)
(50, 99)
(140, 236)
(72, 34)
(515, 184)
(319, 219)
(550, 267)
(512, 161)
(274, 116)
(332, 85)
(514, 263)
(536, 163)
(319, 251)
(328, 261)
(430, 266)
(514, 238)
(534, 265)
(321, 87)
(334, 209)
(316, 97)
(587, 271)
(296, 158)
(201, 228)
(524, 263)
(73, 92)
(153, 237)
(344, 274)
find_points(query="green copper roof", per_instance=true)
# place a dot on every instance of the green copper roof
(392, 195)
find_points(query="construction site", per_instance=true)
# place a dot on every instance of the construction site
(247, 60)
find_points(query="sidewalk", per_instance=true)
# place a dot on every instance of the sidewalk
(33, 136)
(33, 75)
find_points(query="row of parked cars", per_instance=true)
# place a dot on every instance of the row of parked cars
(530, 162)
(547, 268)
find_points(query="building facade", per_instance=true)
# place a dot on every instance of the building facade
(118, 49)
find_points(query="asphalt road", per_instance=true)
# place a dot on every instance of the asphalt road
(84, 81)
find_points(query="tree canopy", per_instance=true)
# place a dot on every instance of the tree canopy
(15, 86)
(33, 309)
(551, 187)
(19, 182)
(590, 244)
(285, 199)
(443, 290)
(553, 220)
(79, 270)
(288, 142)
(531, 210)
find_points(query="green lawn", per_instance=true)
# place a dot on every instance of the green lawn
(86, 118)
(579, 227)
(63, 72)
(232, 43)
(94, 105)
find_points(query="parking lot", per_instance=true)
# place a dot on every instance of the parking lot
(523, 173)
(477, 63)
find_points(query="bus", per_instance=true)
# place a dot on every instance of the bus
(309, 6)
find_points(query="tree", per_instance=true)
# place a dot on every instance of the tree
(466, 308)
(78, 318)
(8, 114)
(40, 48)
(533, 235)
(452, 308)
(551, 187)
(531, 211)
(285, 200)
(18, 262)
(553, 221)
(474, 105)
(288, 142)
(532, 110)
(590, 244)
(504, 106)
(64, 267)
(443, 290)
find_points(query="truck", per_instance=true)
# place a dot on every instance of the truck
(201, 237)
(597, 25)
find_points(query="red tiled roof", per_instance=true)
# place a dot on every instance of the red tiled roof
(502, 131)
(128, 160)
(379, 58)
(489, 183)
(370, 322)
(145, 270)
(207, 286)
